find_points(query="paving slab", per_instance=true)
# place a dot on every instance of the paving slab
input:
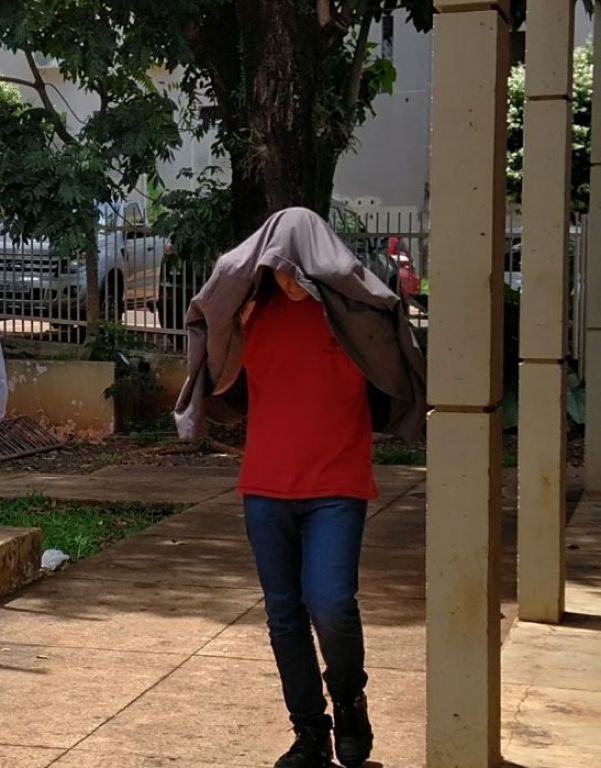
(400, 476)
(167, 484)
(229, 712)
(132, 484)
(396, 577)
(155, 652)
(83, 758)
(544, 717)
(395, 636)
(215, 520)
(121, 615)
(27, 757)
(401, 524)
(53, 697)
(530, 756)
(552, 674)
(164, 560)
(214, 711)
(582, 600)
(574, 657)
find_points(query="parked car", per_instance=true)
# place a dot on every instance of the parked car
(409, 282)
(36, 284)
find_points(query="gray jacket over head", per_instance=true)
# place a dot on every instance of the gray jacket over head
(366, 318)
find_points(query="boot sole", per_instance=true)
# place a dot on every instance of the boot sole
(353, 756)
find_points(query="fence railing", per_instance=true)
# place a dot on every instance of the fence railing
(579, 254)
(146, 293)
(44, 296)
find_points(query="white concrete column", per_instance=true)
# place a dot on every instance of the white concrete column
(592, 453)
(465, 382)
(543, 331)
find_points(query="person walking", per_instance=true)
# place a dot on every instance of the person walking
(306, 475)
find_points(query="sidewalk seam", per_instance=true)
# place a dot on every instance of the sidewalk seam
(396, 498)
(154, 685)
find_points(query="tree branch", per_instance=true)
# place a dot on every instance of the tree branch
(327, 21)
(323, 13)
(66, 103)
(346, 11)
(104, 99)
(17, 81)
(215, 45)
(40, 86)
(357, 67)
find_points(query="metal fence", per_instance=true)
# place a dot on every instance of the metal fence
(579, 253)
(395, 248)
(142, 290)
(144, 293)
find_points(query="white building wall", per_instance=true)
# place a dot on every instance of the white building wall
(583, 31)
(390, 166)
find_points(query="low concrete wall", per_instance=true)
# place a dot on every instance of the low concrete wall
(67, 395)
(20, 556)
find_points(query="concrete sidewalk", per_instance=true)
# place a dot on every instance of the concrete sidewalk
(552, 674)
(155, 654)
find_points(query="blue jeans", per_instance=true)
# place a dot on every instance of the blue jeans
(307, 555)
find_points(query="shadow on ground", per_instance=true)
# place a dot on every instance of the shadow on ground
(198, 565)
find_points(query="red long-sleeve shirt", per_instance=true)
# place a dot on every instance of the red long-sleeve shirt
(309, 425)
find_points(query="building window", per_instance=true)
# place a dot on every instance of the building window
(388, 37)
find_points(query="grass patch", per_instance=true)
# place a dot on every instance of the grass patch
(391, 453)
(394, 453)
(81, 530)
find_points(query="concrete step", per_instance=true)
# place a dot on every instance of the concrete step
(20, 557)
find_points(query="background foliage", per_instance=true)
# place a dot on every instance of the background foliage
(581, 130)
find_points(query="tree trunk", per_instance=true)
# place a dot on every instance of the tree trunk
(249, 205)
(266, 62)
(281, 63)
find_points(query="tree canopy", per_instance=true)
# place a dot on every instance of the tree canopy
(284, 84)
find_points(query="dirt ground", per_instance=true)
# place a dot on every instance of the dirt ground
(164, 450)
(147, 448)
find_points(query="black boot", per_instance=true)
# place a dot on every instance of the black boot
(352, 731)
(311, 749)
